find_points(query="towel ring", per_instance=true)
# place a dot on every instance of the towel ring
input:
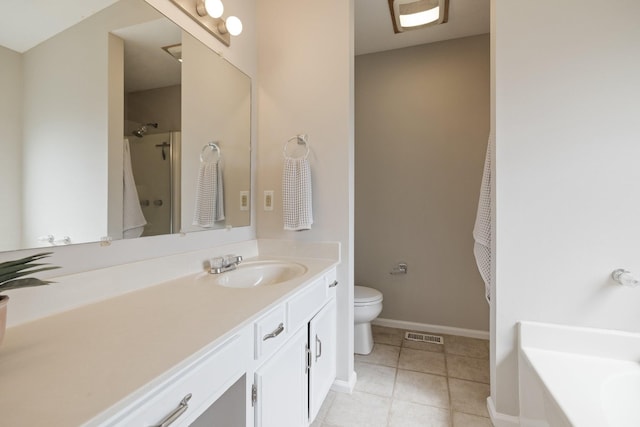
(213, 147)
(301, 140)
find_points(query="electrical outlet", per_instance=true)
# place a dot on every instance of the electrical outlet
(244, 200)
(268, 200)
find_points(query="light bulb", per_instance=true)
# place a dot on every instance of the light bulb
(234, 25)
(214, 8)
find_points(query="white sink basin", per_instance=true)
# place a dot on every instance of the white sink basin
(250, 274)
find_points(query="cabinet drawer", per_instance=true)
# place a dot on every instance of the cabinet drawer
(270, 332)
(303, 306)
(205, 380)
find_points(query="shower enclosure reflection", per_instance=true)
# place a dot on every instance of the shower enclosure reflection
(154, 159)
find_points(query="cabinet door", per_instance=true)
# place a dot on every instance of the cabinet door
(322, 342)
(281, 385)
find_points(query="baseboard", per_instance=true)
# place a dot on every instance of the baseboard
(345, 386)
(423, 327)
(501, 420)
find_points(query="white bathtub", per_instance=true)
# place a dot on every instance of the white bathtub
(578, 377)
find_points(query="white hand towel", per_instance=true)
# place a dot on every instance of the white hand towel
(133, 220)
(296, 195)
(209, 206)
(482, 232)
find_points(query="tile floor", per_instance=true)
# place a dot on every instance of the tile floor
(406, 383)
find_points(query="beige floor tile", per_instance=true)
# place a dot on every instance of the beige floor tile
(426, 389)
(382, 354)
(385, 335)
(358, 410)
(422, 361)
(375, 379)
(324, 409)
(407, 414)
(463, 346)
(469, 397)
(466, 420)
(466, 368)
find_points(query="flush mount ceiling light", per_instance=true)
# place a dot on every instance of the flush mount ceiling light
(414, 14)
(174, 50)
(208, 13)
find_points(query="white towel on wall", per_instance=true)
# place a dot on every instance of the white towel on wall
(209, 206)
(296, 195)
(482, 231)
(133, 220)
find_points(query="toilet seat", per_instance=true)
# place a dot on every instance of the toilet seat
(363, 296)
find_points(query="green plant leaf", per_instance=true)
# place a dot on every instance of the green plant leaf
(26, 260)
(15, 275)
(23, 283)
(12, 271)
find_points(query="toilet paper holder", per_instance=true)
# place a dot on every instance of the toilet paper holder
(401, 268)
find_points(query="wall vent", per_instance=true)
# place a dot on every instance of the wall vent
(417, 336)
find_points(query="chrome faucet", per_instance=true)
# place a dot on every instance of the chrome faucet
(221, 264)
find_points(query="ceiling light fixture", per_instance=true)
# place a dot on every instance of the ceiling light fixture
(208, 13)
(175, 50)
(414, 14)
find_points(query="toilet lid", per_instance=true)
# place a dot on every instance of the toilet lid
(362, 294)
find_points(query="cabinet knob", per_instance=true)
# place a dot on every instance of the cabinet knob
(334, 284)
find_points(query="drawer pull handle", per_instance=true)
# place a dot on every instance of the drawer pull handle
(318, 348)
(275, 333)
(169, 419)
(334, 284)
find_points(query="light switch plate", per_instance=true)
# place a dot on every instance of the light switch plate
(268, 200)
(244, 200)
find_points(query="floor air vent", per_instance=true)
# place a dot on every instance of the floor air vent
(417, 336)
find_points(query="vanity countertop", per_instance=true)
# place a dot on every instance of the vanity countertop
(65, 369)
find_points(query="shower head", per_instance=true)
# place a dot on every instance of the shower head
(143, 129)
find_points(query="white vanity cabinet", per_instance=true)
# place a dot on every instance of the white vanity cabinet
(322, 340)
(189, 392)
(281, 386)
(195, 362)
(291, 385)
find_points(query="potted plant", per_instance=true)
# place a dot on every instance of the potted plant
(12, 277)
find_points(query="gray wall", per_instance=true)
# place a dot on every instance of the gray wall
(422, 123)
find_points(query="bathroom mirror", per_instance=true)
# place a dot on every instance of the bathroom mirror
(72, 99)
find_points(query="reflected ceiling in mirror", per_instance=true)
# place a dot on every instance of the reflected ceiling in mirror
(69, 103)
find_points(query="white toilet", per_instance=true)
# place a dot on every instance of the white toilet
(367, 306)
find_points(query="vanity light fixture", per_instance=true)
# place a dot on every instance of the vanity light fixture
(213, 8)
(415, 14)
(208, 14)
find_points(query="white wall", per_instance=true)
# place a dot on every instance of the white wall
(306, 86)
(65, 136)
(214, 110)
(66, 131)
(422, 122)
(567, 170)
(11, 148)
